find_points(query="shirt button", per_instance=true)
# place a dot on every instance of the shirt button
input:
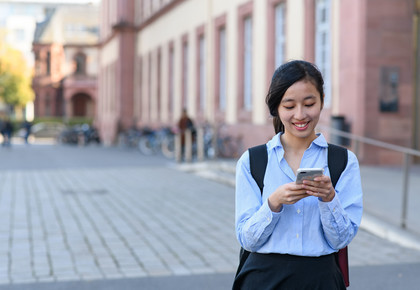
(298, 211)
(297, 236)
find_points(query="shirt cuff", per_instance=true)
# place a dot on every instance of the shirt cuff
(332, 206)
(270, 215)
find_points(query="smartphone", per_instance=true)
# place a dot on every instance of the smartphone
(308, 174)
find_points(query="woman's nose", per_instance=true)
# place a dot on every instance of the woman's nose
(300, 113)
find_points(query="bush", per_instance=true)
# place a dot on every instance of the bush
(69, 122)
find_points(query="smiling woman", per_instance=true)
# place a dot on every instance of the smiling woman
(293, 230)
(299, 111)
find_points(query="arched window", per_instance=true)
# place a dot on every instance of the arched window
(80, 62)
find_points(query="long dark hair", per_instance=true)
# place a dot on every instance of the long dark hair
(283, 78)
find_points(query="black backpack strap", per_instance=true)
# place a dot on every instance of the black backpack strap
(258, 163)
(337, 161)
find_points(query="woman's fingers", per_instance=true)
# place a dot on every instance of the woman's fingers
(320, 187)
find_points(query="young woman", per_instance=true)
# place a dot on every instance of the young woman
(293, 230)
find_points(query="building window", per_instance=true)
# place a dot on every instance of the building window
(222, 69)
(323, 44)
(158, 84)
(389, 82)
(279, 32)
(139, 87)
(220, 73)
(184, 72)
(149, 87)
(247, 73)
(48, 63)
(171, 79)
(202, 72)
(47, 105)
(80, 64)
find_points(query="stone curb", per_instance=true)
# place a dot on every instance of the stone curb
(389, 232)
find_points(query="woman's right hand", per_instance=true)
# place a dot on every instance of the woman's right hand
(288, 193)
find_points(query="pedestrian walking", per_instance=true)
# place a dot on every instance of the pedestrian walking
(293, 230)
(2, 128)
(27, 126)
(185, 123)
(7, 131)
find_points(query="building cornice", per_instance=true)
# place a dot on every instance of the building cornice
(75, 45)
(124, 26)
(120, 27)
(152, 18)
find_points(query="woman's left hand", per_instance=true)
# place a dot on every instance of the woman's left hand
(320, 187)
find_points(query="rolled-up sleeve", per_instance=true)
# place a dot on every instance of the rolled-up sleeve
(341, 217)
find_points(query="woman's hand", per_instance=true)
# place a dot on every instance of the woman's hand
(320, 187)
(288, 193)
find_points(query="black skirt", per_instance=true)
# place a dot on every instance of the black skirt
(278, 271)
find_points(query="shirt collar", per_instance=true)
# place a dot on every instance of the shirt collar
(275, 141)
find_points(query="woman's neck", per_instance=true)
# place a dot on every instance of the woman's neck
(296, 144)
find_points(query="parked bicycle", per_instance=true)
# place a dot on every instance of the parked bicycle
(227, 146)
(130, 138)
(157, 141)
(79, 135)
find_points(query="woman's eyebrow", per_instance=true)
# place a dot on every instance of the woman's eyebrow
(293, 100)
(287, 100)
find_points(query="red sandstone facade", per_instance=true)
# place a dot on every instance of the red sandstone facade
(371, 66)
(116, 75)
(65, 77)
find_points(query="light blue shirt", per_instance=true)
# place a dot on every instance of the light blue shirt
(309, 227)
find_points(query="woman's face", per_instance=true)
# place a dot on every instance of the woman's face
(299, 110)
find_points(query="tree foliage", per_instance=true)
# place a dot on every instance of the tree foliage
(15, 77)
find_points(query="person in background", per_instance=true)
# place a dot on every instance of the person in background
(293, 230)
(7, 131)
(27, 126)
(2, 128)
(185, 123)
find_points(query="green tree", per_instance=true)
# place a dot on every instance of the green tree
(15, 77)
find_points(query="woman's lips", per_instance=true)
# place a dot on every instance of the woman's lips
(301, 126)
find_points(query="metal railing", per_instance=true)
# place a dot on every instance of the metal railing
(408, 158)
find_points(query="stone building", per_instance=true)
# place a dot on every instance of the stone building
(66, 62)
(216, 58)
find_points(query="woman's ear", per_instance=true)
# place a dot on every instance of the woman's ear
(322, 102)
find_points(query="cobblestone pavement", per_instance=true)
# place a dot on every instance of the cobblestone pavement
(112, 222)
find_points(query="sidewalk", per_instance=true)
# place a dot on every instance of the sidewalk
(382, 187)
(105, 218)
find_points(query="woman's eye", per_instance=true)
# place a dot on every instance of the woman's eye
(288, 107)
(310, 105)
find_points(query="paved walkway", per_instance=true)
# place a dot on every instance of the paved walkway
(89, 214)
(382, 197)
